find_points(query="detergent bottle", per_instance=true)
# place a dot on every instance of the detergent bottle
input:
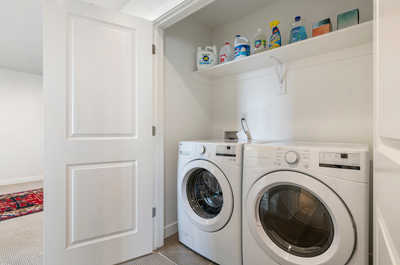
(260, 41)
(206, 57)
(275, 40)
(242, 47)
(225, 54)
(298, 30)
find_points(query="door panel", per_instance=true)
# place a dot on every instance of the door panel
(102, 78)
(99, 146)
(389, 79)
(86, 200)
(386, 133)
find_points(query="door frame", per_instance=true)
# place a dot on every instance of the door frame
(181, 11)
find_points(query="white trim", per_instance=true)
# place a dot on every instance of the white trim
(384, 245)
(158, 106)
(171, 229)
(12, 181)
(181, 11)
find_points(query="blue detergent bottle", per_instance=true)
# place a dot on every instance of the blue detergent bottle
(298, 30)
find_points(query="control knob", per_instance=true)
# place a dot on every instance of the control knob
(292, 157)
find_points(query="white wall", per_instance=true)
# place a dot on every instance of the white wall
(187, 103)
(21, 132)
(329, 97)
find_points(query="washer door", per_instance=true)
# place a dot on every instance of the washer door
(298, 220)
(207, 195)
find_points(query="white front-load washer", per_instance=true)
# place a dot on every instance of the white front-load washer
(209, 199)
(305, 204)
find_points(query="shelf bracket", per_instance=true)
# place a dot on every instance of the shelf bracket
(281, 73)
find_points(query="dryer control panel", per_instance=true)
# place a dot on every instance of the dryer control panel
(340, 160)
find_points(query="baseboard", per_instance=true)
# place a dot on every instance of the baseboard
(170, 229)
(12, 181)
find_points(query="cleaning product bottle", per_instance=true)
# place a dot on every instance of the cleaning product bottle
(260, 41)
(298, 30)
(225, 54)
(242, 47)
(206, 57)
(275, 40)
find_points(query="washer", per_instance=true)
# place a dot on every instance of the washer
(209, 199)
(305, 204)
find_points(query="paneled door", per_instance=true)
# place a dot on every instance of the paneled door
(387, 134)
(98, 136)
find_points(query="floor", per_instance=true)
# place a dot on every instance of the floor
(21, 238)
(173, 253)
(21, 241)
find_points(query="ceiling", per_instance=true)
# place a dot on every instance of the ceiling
(21, 35)
(221, 11)
(149, 9)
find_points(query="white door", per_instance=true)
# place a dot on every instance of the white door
(98, 141)
(387, 134)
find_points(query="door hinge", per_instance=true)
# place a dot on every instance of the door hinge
(154, 131)
(154, 48)
(154, 212)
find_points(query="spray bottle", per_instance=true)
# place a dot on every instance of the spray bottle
(275, 40)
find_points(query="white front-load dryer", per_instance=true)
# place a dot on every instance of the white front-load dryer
(305, 204)
(209, 199)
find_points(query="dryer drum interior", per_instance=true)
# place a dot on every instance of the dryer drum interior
(204, 193)
(296, 220)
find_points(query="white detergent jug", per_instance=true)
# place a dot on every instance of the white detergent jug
(225, 54)
(206, 57)
(242, 47)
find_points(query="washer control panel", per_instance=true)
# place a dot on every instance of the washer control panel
(340, 160)
(298, 158)
(226, 150)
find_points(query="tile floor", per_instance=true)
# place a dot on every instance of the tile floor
(173, 253)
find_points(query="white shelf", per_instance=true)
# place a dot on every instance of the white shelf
(336, 40)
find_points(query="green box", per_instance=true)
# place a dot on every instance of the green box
(348, 19)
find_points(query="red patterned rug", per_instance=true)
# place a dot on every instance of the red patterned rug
(20, 204)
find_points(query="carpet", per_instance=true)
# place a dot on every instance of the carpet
(20, 204)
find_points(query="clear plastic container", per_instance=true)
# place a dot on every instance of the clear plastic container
(260, 41)
(298, 30)
(226, 54)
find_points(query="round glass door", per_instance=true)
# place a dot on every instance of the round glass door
(204, 193)
(296, 220)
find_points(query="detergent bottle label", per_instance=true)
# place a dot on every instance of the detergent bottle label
(242, 50)
(260, 44)
(205, 59)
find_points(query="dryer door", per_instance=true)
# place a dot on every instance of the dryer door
(298, 220)
(207, 195)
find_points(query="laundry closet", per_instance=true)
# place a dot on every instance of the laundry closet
(318, 89)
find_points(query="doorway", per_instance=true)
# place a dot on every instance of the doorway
(22, 133)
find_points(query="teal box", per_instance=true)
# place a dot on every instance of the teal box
(348, 19)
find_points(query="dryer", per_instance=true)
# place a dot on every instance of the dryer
(305, 204)
(209, 199)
